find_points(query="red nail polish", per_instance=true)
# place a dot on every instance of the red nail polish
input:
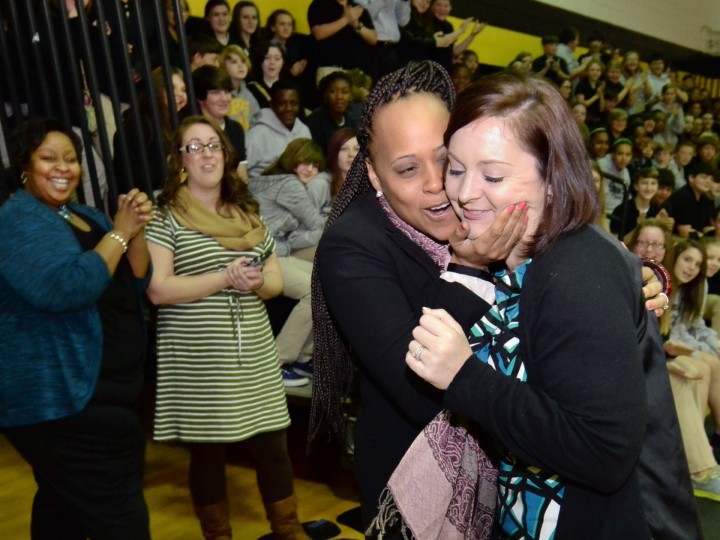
(511, 208)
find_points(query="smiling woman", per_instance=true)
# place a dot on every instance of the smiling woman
(202, 240)
(70, 307)
(577, 439)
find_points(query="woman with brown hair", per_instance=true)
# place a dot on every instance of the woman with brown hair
(218, 376)
(581, 443)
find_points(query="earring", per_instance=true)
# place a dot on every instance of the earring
(183, 176)
(23, 177)
(379, 194)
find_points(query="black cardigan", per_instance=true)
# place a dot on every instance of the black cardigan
(597, 407)
(376, 281)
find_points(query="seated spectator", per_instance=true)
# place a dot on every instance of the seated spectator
(155, 146)
(690, 205)
(296, 225)
(674, 119)
(688, 336)
(306, 160)
(706, 149)
(440, 10)
(694, 109)
(522, 63)
(418, 38)
(280, 27)
(213, 93)
(569, 39)
(243, 106)
(336, 91)
(344, 36)
(550, 65)
(626, 216)
(662, 156)
(268, 59)
(579, 112)
(617, 124)
(636, 76)
(193, 25)
(666, 187)
(461, 77)
(245, 25)
(590, 92)
(362, 83)
(682, 157)
(599, 141)
(657, 78)
(470, 60)
(709, 123)
(652, 240)
(275, 127)
(613, 82)
(596, 48)
(203, 51)
(292, 217)
(217, 15)
(615, 163)
(342, 149)
(643, 151)
(566, 91)
(711, 309)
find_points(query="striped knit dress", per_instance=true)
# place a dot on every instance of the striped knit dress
(218, 376)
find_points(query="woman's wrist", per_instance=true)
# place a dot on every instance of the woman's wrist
(118, 237)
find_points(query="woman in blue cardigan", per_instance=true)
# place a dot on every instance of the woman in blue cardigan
(73, 341)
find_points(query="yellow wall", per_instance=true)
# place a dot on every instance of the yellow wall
(495, 46)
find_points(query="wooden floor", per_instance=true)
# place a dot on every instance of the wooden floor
(324, 490)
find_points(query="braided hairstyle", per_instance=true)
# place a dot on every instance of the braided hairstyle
(332, 358)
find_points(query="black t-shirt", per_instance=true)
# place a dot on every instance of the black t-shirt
(121, 374)
(236, 134)
(540, 63)
(442, 55)
(688, 210)
(345, 48)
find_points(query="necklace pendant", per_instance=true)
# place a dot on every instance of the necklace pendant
(65, 212)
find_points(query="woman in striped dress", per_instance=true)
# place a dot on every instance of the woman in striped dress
(218, 375)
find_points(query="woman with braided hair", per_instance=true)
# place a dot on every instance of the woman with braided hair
(379, 262)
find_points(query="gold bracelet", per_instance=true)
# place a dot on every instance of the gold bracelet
(123, 242)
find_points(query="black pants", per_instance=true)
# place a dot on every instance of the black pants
(88, 468)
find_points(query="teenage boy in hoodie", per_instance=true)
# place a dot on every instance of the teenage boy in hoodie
(275, 127)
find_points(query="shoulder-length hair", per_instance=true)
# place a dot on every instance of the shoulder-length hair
(337, 139)
(232, 189)
(235, 24)
(296, 153)
(538, 116)
(689, 296)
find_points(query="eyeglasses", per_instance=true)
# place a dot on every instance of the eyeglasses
(654, 245)
(197, 148)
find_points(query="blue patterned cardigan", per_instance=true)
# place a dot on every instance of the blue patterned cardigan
(51, 340)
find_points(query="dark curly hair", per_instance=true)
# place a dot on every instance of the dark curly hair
(28, 136)
(334, 370)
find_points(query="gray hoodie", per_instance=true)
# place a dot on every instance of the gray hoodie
(267, 138)
(293, 220)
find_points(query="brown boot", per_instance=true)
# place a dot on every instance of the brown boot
(284, 521)
(215, 520)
